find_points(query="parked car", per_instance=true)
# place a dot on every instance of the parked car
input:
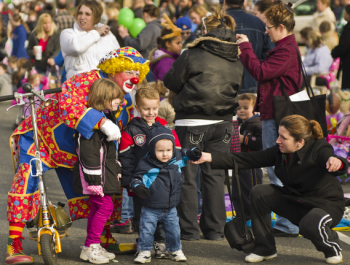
(303, 15)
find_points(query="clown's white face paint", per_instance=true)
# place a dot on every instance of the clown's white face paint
(128, 86)
(127, 80)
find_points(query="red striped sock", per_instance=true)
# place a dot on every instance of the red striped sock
(15, 229)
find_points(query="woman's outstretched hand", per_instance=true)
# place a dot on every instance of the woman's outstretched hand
(241, 38)
(333, 164)
(206, 157)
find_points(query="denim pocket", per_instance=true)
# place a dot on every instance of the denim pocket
(196, 134)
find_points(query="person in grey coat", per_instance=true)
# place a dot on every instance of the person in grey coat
(146, 41)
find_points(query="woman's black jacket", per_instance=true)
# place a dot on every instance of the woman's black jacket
(305, 177)
(52, 49)
(207, 78)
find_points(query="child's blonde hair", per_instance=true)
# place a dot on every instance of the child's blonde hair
(32, 77)
(102, 92)
(248, 96)
(147, 93)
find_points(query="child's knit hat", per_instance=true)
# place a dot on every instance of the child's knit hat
(159, 132)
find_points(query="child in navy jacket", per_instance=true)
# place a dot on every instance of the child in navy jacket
(251, 140)
(158, 182)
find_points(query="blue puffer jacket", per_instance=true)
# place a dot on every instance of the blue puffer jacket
(163, 179)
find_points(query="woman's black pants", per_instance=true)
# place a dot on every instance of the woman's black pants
(314, 223)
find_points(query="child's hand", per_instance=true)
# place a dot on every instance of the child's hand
(241, 137)
(194, 154)
(119, 176)
(142, 191)
(96, 189)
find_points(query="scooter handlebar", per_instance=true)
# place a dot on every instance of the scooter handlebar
(48, 91)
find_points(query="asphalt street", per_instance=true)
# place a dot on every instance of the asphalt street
(291, 251)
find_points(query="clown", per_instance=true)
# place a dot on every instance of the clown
(56, 127)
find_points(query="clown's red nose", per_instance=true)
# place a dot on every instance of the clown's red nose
(135, 80)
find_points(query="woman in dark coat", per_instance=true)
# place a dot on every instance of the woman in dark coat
(311, 196)
(343, 50)
(47, 36)
(281, 65)
(206, 79)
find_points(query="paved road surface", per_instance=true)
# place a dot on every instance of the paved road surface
(291, 251)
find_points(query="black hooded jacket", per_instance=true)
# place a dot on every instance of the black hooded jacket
(207, 78)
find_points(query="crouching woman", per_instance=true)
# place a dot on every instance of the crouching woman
(311, 196)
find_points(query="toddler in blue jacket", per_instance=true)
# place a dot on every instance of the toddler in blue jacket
(158, 182)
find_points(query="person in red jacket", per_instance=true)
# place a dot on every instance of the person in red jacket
(282, 64)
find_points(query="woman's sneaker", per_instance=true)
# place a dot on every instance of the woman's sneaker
(143, 257)
(160, 250)
(256, 258)
(106, 254)
(335, 259)
(177, 256)
(93, 254)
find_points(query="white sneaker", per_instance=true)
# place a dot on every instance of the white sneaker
(143, 257)
(177, 256)
(335, 259)
(256, 258)
(160, 250)
(106, 254)
(93, 254)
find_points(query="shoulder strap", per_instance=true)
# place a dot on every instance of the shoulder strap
(239, 195)
(308, 87)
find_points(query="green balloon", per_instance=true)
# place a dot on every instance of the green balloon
(137, 26)
(126, 17)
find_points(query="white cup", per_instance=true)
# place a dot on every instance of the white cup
(38, 52)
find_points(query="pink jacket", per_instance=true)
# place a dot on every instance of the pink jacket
(281, 62)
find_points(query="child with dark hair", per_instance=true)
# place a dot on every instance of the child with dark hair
(168, 50)
(251, 140)
(158, 182)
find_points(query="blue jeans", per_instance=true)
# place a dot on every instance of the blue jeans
(127, 207)
(148, 225)
(269, 137)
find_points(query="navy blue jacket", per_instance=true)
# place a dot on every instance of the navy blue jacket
(254, 28)
(134, 146)
(163, 179)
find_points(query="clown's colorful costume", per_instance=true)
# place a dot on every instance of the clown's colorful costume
(56, 128)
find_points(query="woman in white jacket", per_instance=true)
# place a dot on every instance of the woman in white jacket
(88, 41)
